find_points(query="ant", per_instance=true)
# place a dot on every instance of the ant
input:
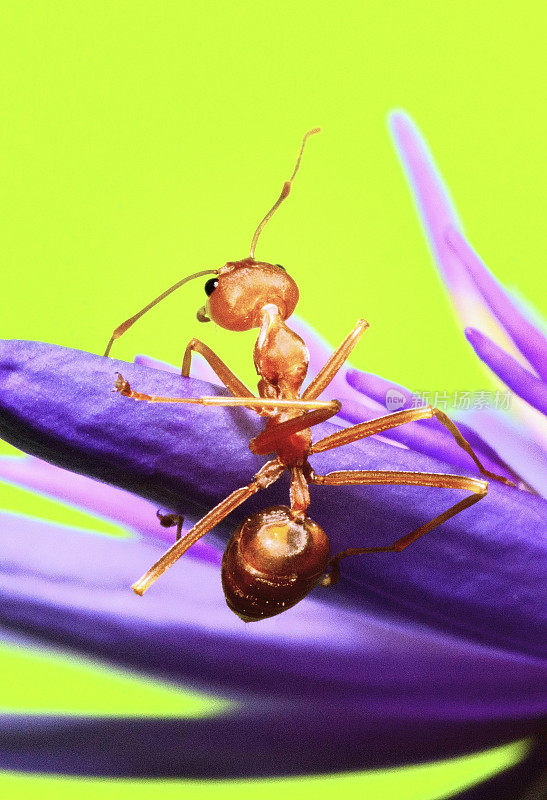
(278, 555)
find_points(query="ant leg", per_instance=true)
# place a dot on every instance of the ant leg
(230, 381)
(364, 429)
(168, 520)
(259, 403)
(267, 475)
(121, 329)
(342, 352)
(372, 478)
(267, 441)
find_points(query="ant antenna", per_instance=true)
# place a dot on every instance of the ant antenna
(284, 193)
(121, 329)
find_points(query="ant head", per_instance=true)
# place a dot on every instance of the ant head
(242, 288)
(240, 291)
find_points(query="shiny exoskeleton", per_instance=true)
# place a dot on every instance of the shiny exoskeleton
(278, 555)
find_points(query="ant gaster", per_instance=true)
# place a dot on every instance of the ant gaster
(277, 556)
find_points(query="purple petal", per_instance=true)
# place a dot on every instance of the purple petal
(526, 336)
(481, 573)
(108, 502)
(272, 741)
(507, 445)
(385, 692)
(522, 382)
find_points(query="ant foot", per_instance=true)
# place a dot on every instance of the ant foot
(332, 577)
(168, 519)
(121, 385)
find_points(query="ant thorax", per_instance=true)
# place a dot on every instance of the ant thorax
(280, 356)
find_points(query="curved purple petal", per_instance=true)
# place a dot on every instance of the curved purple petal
(105, 501)
(481, 573)
(525, 335)
(271, 741)
(522, 382)
(503, 443)
(319, 672)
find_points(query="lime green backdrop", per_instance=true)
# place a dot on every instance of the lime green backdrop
(142, 141)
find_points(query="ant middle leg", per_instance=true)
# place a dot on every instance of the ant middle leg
(230, 381)
(266, 442)
(373, 426)
(265, 476)
(477, 488)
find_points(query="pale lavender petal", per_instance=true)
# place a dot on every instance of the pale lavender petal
(525, 335)
(518, 379)
(480, 573)
(321, 672)
(428, 436)
(439, 216)
(437, 211)
(363, 398)
(514, 443)
(504, 445)
(320, 352)
(107, 502)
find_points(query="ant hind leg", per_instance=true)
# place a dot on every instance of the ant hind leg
(477, 488)
(267, 475)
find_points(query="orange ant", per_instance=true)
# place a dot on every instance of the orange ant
(277, 556)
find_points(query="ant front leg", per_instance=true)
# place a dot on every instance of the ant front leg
(341, 354)
(267, 475)
(364, 429)
(258, 403)
(379, 478)
(230, 381)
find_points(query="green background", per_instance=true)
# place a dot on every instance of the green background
(142, 141)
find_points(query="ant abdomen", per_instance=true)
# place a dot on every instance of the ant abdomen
(272, 561)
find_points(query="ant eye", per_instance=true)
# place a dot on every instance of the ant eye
(281, 267)
(210, 286)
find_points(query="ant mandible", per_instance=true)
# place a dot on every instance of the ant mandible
(278, 555)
